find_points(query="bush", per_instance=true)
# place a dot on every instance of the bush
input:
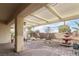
(64, 28)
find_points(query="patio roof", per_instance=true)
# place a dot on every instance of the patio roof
(8, 11)
(51, 13)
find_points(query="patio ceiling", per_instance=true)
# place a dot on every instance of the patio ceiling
(52, 13)
(8, 11)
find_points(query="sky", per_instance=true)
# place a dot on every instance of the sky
(54, 26)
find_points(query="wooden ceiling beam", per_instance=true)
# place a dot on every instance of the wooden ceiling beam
(53, 11)
(32, 22)
(72, 17)
(39, 18)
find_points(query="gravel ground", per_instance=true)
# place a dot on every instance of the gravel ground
(37, 48)
(40, 48)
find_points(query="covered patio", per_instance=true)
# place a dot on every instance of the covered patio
(20, 17)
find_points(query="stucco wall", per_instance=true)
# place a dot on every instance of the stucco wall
(4, 33)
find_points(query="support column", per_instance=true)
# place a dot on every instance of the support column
(19, 42)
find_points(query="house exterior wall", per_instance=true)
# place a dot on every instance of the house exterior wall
(5, 36)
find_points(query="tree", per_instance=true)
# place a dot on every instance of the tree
(64, 28)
